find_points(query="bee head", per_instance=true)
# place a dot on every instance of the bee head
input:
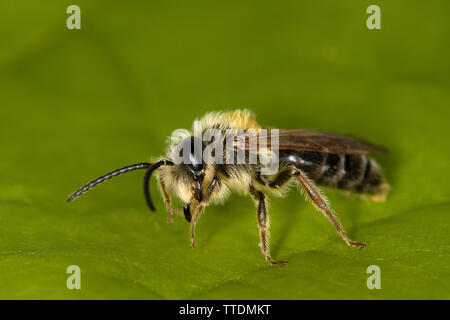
(190, 152)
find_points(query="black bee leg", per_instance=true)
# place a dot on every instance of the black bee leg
(211, 188)
(322, 205)
(187, 212)
(264, 226)
(261, 179)
(282, 178)
(209, 191)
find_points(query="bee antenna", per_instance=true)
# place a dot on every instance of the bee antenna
(107, 176)
(147, 177)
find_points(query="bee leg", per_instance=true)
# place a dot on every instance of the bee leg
(170, 210)
(206, 197)
(263, 225)
(167, 201)
(261, 179)
(282, 178)
(193, 223)
(322, 205)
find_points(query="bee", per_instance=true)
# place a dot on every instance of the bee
(304, 158)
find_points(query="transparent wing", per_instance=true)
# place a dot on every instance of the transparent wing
(319, 141)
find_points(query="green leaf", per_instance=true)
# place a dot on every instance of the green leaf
(77, 104)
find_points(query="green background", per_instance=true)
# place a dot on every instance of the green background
(77, 104)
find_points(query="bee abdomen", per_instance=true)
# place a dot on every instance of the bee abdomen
(312, 163)
(334, 170)
(373, 181)
(353, 171)
(356, 173)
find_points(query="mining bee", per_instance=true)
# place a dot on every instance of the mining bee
(304, 158)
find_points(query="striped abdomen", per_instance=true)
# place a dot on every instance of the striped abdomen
(356, 173)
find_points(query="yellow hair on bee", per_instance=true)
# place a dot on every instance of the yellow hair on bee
(237, 119)
(382, 193)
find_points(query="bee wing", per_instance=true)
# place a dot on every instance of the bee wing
(319, 141)
(327, 142)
